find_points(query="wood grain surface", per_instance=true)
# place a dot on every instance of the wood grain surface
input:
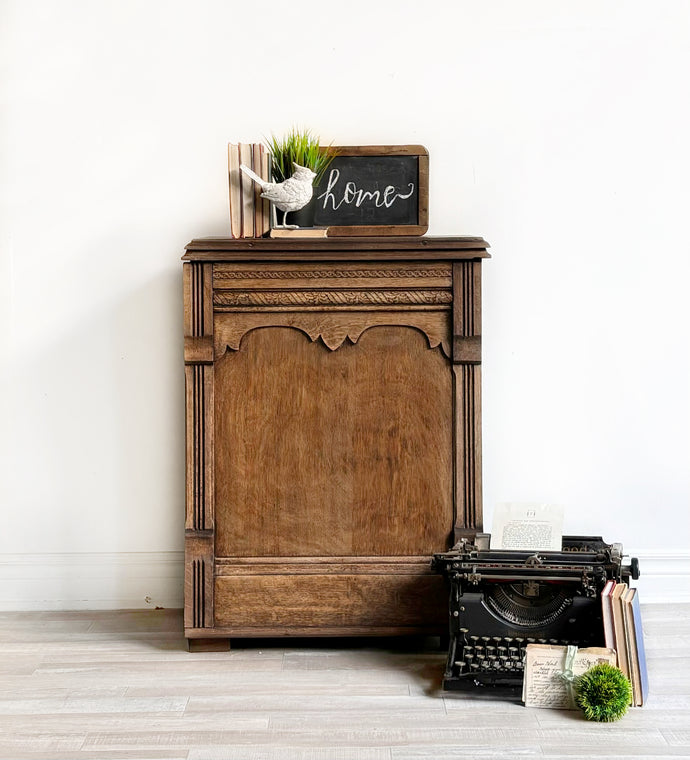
(332, 601)
(333, 453)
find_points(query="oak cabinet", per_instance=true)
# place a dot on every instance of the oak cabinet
(332, 432)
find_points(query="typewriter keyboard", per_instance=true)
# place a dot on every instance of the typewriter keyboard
(499, 655)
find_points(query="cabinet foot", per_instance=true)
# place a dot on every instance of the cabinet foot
(209, 645)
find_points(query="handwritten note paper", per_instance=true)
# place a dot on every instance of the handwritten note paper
(545, 665)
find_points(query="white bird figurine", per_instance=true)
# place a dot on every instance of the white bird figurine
(290, 195)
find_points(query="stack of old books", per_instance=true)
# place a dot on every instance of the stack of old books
(623, 632)
(249, 212)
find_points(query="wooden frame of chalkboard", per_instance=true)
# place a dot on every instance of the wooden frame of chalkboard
(374, 190)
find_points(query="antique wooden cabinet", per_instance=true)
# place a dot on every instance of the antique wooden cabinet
(333, 432)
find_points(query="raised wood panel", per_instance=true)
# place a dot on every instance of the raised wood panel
(325, 601)
(333, 453)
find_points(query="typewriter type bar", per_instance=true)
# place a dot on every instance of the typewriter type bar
(501, 601)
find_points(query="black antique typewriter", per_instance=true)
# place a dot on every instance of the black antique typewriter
(501, 601)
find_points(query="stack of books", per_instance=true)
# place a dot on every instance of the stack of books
(623, 632)
(249, 212)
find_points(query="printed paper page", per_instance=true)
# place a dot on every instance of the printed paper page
(527, 527)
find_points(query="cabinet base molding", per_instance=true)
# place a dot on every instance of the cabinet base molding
(213, 644)
(199, 638)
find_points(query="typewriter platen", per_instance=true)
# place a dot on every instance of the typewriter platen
(501, 601)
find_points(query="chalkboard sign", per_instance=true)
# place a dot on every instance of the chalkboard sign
(374, 190)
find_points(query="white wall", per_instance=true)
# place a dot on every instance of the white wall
(556, 130)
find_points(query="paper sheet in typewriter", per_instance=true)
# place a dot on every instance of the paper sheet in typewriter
(527, 527)
(545, 666)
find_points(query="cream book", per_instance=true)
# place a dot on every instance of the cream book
(300, 232)
(265, 205)
(257, 166)
(543, 684)
(246, 158)
(235, 190)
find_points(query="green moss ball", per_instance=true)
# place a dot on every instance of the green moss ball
(603, 693)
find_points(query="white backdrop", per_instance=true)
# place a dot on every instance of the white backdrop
(557, 131)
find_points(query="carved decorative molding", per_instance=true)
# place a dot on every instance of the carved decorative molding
(467, 325)
(197, 300)
(319, 274)
(197, 445)
(333, 328)
(467, 445)
(331, 298)
(198, 593)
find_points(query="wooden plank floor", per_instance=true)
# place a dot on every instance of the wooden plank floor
(122, 684)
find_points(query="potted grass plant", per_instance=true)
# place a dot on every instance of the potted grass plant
(303, 148)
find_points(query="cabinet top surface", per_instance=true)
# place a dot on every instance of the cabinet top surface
(334, 249)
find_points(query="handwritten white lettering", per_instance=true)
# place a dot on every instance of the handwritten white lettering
(351, 194)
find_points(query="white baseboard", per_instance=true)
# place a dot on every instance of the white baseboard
(136, 580)
(91, 581)
(664, 577)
